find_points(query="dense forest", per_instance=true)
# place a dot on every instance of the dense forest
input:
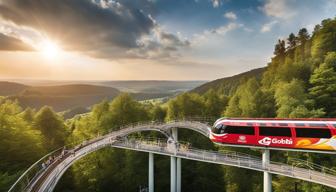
(300, 81)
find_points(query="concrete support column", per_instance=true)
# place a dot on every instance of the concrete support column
(175, 167)
(172, 174)
(151, 172)
(174, 134)
(178, 174)
(267, 175)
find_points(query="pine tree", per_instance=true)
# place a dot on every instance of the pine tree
(291, 41)
(303, 36)
(280, 48)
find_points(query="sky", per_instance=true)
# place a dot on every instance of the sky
(147, 39)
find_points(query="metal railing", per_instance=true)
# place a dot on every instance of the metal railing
(325, 177)
(33, 172)
(300, 163)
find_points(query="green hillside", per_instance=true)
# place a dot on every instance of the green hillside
(228, 85)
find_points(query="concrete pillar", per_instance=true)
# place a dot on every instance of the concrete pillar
(174, 134)
(175, 167)
(151, 172)
(267, 175)
(178, 174)
(172, 174)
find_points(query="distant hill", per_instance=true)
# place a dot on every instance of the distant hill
(10, 88)
(68, 114)
(80, 96)
(149, 96)
(64, 97)
(151, 86)
(71, 90)
(228, 85)
(132, 86)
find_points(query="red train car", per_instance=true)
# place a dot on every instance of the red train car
(308, 134)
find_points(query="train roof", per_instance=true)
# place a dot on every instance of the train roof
(279, 120)
(283, 119)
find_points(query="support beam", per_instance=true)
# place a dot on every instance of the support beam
(178, 174)
(151, 172)
(267, 175)
(172, 174)
(173, 166)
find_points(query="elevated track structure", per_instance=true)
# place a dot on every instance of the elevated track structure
(40, 178)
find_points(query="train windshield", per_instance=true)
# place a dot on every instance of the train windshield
(218, 129)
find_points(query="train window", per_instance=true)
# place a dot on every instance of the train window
(334, 125)
(239, 130)
(318, 125)
(272, 131)
(262, 124)
(300, 124)
(313, 133)
(218, 129)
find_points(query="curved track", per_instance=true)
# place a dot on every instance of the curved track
(47, 178)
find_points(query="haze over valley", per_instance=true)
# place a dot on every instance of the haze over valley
(64, 95)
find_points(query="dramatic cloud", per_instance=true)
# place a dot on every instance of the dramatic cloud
(160, 44)
(230, 15)
(278, 9)
(268, 26)
(102, 28)
(216, 3)
(147, 39)
(8, 43)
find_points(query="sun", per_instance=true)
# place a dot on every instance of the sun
(50, 49)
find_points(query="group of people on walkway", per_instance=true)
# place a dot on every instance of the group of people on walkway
(54, 158)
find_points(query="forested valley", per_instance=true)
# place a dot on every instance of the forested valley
(300, 81)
